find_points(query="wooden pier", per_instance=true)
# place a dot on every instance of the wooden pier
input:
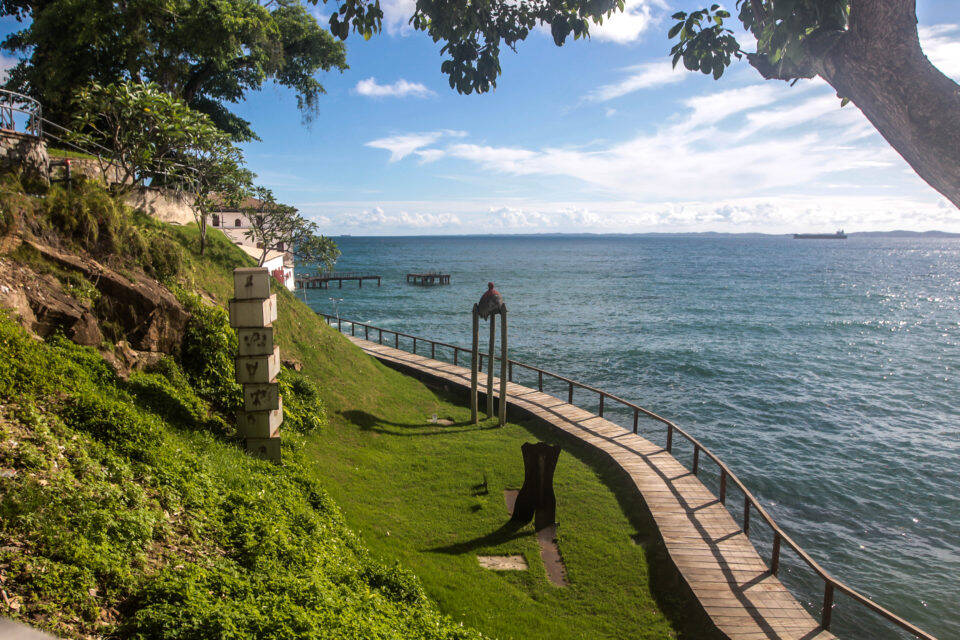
(323, 280)
(429, 278)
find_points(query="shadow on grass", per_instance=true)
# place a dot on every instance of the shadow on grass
(369, 422)
(511, 530)
(672, 594)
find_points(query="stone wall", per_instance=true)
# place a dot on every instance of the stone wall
(89, 167)
(25, 153)
(162, 204)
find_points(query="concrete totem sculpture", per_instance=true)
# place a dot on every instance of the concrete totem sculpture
(252, 313)
(491, 304)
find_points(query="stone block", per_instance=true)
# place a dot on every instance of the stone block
(264, 448)
(258, 369)
(253, 313)
(255, 341)
(260, 424)
(251, 283)
(261, 397)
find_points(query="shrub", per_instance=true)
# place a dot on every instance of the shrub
(88, 214)
(303, 410)
(207, 354)
(114, 423)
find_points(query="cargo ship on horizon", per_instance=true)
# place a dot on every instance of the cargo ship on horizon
(839, 235)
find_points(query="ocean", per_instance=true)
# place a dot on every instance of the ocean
(825, 373)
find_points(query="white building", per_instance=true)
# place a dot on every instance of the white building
(235, 224)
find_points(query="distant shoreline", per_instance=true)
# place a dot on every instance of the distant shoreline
(937, 235)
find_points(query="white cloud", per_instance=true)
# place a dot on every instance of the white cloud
(396, 16)
(399, 89)
(643, 76)
(401, 146)
(941, 43)
(378, 218)
(776, 214)
(629, 25)
(733, 143)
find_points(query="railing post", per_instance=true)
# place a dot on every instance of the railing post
(601, 405)
(746, 516)
(669, 437)
(775, 556)
(414, 345)
(396, 340)
(353, 329)
(339, 324)
(381, 336)
(540, 380)
(456, 352)
(827, 606)
(510, 371)
(366, 332)
(723, 486)
(696, 458)
(636, 419)
(570, 394)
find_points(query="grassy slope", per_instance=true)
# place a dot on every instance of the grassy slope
(390, 471)
(408, 487)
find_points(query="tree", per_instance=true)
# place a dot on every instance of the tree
(208, 53)
(218, 178)
(144, 132)
(275, 226)
(868, 50)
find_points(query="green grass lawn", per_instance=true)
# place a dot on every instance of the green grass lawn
(412, 490)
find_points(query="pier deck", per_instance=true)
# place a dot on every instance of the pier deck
(323, 281)
(428, 278)
(719, 563)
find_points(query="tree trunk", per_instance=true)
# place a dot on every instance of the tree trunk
(879, 65)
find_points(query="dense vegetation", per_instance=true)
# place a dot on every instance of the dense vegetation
(126, 504)
(128, 509)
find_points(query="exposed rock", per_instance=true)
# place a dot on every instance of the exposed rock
(151, 317)
(41, 307)
(289, 363)
(125, 359)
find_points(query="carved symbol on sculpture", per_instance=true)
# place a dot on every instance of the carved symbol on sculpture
(249, 282)
(257, 396)
(256, 339)
(252, 367)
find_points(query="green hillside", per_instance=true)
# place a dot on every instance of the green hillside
(128, 509)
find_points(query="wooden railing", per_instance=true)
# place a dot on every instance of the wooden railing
(727, 477)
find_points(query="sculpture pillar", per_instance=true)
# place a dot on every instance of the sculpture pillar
(490, 361)
(474, 365)
(503, 364)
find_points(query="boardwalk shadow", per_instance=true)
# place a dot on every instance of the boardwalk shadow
(369, 422)
(510, 530)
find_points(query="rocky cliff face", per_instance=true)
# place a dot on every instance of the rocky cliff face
(49, 289)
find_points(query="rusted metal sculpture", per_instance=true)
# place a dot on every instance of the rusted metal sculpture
(536, 499)
(491, 304)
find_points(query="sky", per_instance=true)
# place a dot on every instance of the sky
(599, 135)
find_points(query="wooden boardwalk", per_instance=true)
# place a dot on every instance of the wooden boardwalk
(711, 552)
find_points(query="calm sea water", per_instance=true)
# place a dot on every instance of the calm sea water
(825, 373)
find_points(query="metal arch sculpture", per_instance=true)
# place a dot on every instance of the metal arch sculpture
(491, 304)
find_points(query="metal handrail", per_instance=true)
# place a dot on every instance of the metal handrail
(10, 102)
(780, 537)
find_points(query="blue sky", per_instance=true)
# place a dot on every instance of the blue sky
(597, 136)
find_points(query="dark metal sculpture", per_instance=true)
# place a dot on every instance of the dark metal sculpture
(490, 305)
(536, 499)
